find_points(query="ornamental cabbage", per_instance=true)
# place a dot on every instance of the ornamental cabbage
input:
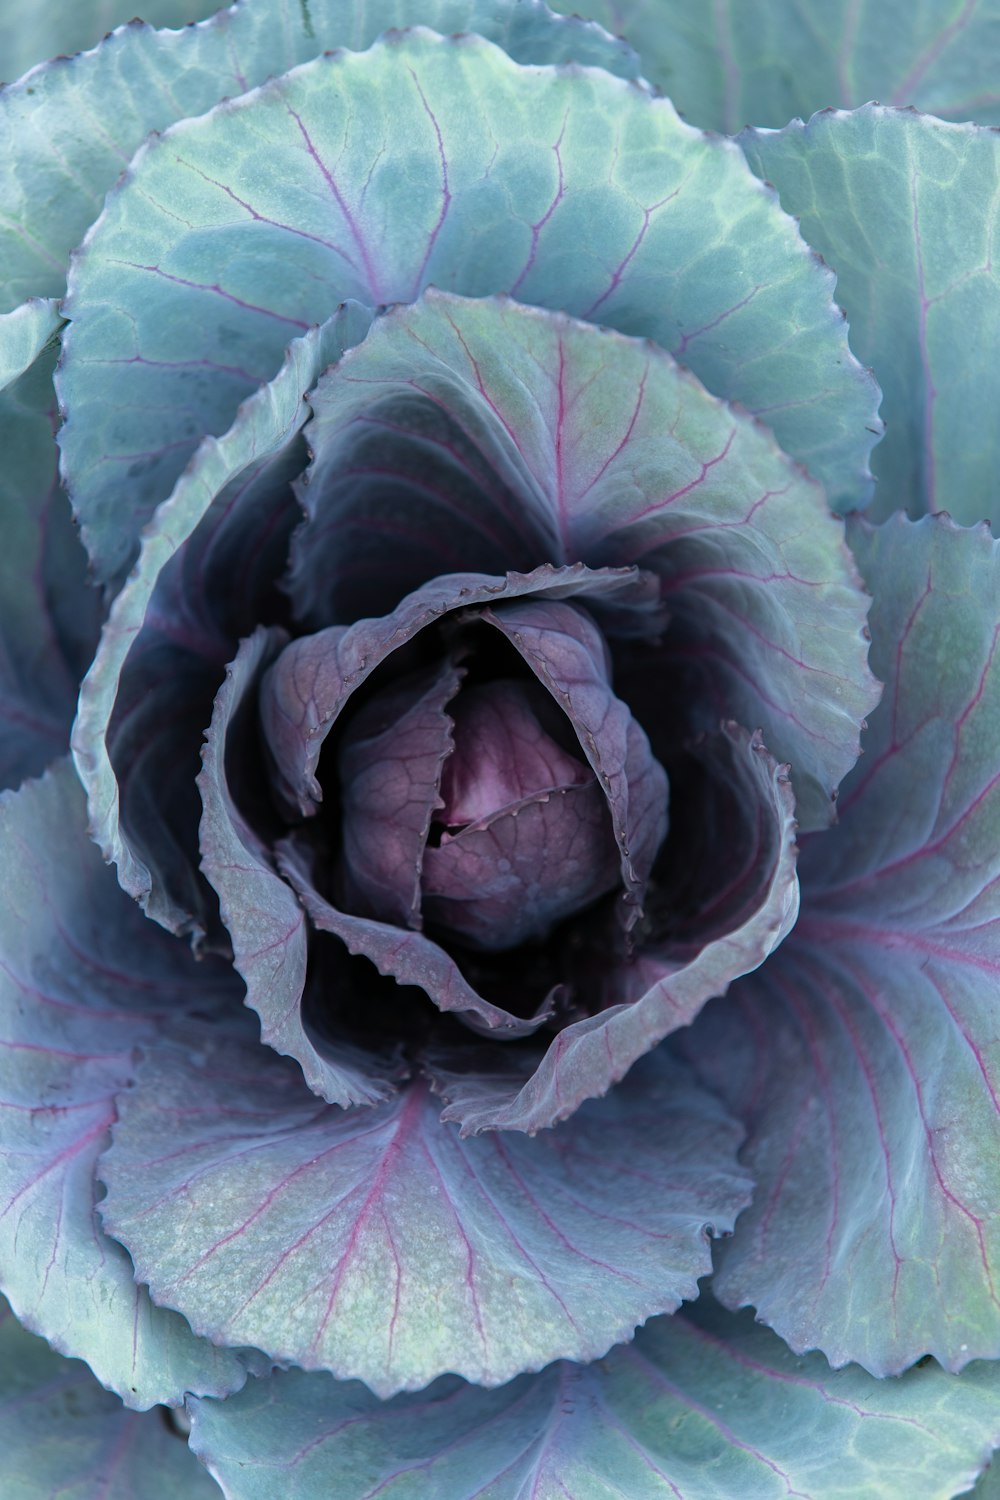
(500, 932)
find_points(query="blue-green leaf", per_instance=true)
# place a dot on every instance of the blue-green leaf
(703, 1406)
(762, 62)
(988, 1487)
(905, 209)
(59, 27)
(24, 334)
(61, 149)
(356, 176)
(84, 980)
(50, 615)
(864, 1057)
(62, 1435)
(379, 1244)
(144, 683)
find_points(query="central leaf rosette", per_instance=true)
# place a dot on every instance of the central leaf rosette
(540, 570)
(490, 786)
(513, 833)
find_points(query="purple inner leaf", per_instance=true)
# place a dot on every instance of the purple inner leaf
(565, 649)
(265, 922)
(408, 957)
(663, 985)
(309, 686)
(389, 759)
(525, 835)
(509, 879)
(502, 753)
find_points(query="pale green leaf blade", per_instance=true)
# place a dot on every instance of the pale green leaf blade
(703, 1406)
(378, 1244)
(265, 425)
(57, 28)
(84, 980)
(24, 334)
(356, 176)
(988, 1487)
(51, 615)
(762, 62)
(62, 149)
(863, 1057)
(905, 209)
(62, 1435)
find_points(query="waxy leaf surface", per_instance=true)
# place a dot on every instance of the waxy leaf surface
(701, 1406)
(51, 615)
(379, 1245)
(61, 28)
(864, 1057)
(54, 182)
(762, 62)
(85, 981)
(62, 1435)
(906, 209)
(215, 526)
(24, 334)
(356, 176)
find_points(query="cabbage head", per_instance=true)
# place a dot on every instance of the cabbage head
(500, 739)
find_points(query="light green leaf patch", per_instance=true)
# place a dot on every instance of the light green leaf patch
(378, 1244)
(24, 334)
(60, 27)
(62, 149)
(84, 980)
(703, 1406)
(51, 615)
(906, 209)
(762, 62)
(357, 176)
(62, 1435)
(864, 1055)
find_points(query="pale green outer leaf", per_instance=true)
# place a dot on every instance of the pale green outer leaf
(84, 980)
(988, 1487)
(64, 1438)
(618, 457)
(730, 63)
(62, 148)
(266, 422)
(50, 617)
(906, 210)
(357, 176)
(51, 28)
(702, 1406)
(380, 1245)
(864, 1057)
(24, 334)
